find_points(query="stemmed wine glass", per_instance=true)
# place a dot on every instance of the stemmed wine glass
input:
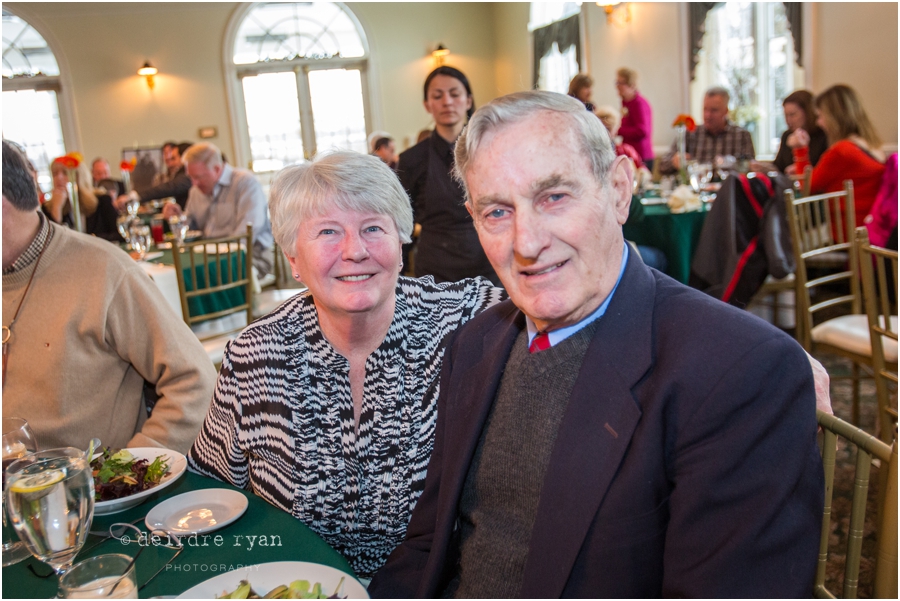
(50, 498)
(140, 239)
(18, 441)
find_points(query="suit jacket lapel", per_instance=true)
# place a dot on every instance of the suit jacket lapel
(594, 435)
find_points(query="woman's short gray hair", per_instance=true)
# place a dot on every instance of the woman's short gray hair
(347, 180)
(506, 110)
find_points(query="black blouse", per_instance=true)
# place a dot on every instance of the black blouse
(448, 246)
(818, 143)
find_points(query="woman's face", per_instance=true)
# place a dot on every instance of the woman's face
(794, 116)
(60, 177)
(447, 101)
(349, 259)
(584, 94)
(823, 120)
(626, 92)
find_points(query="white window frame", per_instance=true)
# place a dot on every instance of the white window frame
(61, 84)
(301, 67)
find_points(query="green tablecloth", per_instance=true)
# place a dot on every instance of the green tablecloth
(675, 234)
(196, 563)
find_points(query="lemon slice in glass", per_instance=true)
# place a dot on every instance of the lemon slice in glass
(37, 482)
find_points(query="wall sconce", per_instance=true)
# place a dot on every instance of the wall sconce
(148, 71)
(618, 13)
(439, 54)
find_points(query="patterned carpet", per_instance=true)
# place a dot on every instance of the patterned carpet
(845, 468)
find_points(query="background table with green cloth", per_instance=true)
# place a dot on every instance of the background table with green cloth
(675, 234)
(197, 562)
(215, 301)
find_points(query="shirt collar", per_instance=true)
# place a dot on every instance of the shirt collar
(34, 249)
(557, 336)
(224, 180)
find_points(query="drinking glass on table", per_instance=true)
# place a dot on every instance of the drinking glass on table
(18, 441)
(132, 206)
(50, 499)
(178, 225)
(140, 239)
(102, 577)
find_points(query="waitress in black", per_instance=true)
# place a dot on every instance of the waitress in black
(448, 246)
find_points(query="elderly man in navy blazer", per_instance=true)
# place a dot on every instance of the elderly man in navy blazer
(607, 432)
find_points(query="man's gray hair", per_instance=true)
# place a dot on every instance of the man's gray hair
(506, 110)
(719, 91)
(345, 180)
(204, 152)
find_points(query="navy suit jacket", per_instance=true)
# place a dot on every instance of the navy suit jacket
(686, 463)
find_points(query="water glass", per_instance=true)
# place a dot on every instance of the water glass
(140, 239)
(178, 225)
(18, 442)
(132, 206)
(50, 500)
(102, 577)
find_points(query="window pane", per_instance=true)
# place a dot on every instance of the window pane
(24, 50)
(338, 112)
(283, 31)
(273, 120)
(31, 119)
(558, 69)
(544, 13)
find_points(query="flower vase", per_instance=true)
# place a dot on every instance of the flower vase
(73, 198)
(680, 134)
(126, 181)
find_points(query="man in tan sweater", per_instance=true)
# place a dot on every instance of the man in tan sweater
(83, 329)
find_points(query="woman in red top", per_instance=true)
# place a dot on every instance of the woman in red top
(854, 153)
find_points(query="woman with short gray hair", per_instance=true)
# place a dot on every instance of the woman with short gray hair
(326, 407)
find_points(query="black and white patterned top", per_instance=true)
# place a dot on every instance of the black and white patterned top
(281, 420)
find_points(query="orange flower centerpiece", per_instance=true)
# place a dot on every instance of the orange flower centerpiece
(71, 162)
(682, 124)
(126, 167)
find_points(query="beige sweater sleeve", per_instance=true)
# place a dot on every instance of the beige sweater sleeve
(145, 332)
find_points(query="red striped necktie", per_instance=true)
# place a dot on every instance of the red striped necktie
(541, 342)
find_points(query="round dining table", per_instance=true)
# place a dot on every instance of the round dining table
(262, 534)
(675, 234)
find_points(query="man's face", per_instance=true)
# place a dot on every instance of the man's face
(552, 232)
(715, 113)
(172, 158)
(203, 177)
(100, 170)
(387, 153)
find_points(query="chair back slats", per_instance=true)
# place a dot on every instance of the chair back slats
(821, 228)
(878, 267)
(867, 447)
(207, 267)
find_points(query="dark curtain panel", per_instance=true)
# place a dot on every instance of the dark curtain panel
(697, 27)
(794, 13)
(697, 24)
(565, 33)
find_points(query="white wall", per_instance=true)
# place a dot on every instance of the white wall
(652, 44)
(856, 44)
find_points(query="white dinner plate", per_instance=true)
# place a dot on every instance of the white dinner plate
(198, 511)
(266, 576)
(177, 465)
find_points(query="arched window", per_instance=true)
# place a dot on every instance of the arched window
(303, 88)
(31, 115)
